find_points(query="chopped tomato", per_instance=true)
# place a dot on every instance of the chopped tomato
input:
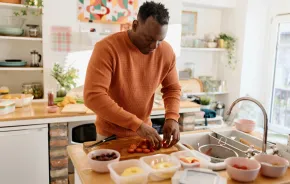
(130, 150)
(146, 150)
(139, 150)
(133, 146)
(144, 147)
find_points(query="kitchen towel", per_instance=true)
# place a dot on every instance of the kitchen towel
(61, 39)
(208, 114)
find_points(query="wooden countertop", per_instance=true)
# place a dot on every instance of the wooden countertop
(88, 176)
(38, 110)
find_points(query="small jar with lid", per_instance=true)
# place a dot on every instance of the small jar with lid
(27, 89)
(37, 90)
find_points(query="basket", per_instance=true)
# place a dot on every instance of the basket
(11, 1)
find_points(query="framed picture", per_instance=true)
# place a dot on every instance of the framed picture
(107, 11)
(189, 23)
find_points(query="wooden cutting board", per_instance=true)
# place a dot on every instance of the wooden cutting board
(121, 145)
(75, 108)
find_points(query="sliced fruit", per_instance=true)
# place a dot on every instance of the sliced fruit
(144, 147)
(139, 150)
(133, 146)
(130, 150)
(146, 150)
(162, 165)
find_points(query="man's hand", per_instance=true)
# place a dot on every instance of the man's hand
(171, 129)
(147, 132)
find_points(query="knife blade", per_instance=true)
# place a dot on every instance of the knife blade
(113, 137)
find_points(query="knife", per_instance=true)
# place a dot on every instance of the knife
(113, 137)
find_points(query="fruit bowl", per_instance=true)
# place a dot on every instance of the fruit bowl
(128, 172)
(160, 166)
(242, 169)
(101, 164)
(272, 165)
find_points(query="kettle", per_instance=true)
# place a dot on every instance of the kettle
(36, 59)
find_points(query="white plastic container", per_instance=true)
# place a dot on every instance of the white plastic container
(20, 100)
(7, 107)
(116, 170)
(164, 173)
(203, 159)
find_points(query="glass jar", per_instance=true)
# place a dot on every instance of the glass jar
(27, 89)
(37, 90)
(190, 67)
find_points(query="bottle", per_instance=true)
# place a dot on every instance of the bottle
(50, 98)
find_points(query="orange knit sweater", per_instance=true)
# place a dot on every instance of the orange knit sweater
(121, 82)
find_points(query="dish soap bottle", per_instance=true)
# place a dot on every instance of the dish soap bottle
(50, 98)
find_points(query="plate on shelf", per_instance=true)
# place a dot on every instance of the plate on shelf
(7, 31)
(13, 64)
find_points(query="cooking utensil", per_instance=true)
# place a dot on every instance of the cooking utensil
(113, 137)
(13, 64)
(35, 58)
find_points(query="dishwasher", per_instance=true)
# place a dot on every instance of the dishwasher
(24, 155)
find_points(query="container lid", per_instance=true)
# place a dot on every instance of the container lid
(196, 175)
(6, 103)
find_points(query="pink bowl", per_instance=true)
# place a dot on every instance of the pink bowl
(245, 125)
(242, 175)
(101, 166)
(52, 109)
(273, 171)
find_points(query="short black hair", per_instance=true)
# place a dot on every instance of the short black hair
(156, 10)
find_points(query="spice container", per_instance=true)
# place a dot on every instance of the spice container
(50, 98)
(37, 90)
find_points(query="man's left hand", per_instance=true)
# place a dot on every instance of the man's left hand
(171, 133)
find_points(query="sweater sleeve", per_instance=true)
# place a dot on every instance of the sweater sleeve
(171, 92)
(98, 79)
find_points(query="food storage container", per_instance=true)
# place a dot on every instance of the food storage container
(160, 166)
(20, 100)
(7, 107)
(37, 90)
(203, 160)
(101, 166)
(139, 173)
(186, 127)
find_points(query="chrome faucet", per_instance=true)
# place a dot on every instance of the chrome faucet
(264, 146)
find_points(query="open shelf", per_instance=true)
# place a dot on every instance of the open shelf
(203, 49)
(10, 5)
(27, 68)
(20, 38)
(217, 118)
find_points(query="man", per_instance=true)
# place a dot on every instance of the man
(123, 74)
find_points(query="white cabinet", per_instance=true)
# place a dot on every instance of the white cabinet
(24, 155)
(212, 3)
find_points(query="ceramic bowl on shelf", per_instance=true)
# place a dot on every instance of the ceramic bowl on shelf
(212, 44)
(242, 169)
(11, 22)
(272, 165)
(245, 125)
(101, 165)
(6, 31)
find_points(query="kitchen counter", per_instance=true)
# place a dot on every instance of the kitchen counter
(88, 176)
(38, 113)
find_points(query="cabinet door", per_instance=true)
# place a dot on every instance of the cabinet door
(24, 156)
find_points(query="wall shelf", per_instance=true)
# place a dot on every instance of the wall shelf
(202, 49)
(21, 69)
(20, 38)
(16, 6)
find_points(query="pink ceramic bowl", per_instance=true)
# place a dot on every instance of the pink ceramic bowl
(272, 165)
(249, 175)
(52, 109)
(101, 166)
(245, 125)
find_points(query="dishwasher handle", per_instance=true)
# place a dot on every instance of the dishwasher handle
(20, 132)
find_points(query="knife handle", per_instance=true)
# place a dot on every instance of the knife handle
(113, 137)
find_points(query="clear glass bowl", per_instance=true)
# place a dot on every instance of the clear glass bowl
(11, 22)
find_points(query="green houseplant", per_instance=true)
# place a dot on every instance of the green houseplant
(205, 102)
(230, 45)
(37, 8)
(65, 78)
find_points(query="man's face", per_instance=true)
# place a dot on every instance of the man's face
(149, 33)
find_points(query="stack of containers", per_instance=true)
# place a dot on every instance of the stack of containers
(186, 122)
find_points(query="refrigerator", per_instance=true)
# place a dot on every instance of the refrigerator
(280, 103)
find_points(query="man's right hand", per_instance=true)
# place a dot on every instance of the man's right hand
(147, 132)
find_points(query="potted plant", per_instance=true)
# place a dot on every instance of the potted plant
(205, 102)
(228, 42)
(37, 10)
(65, 78)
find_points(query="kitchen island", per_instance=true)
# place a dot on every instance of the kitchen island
(44, 138)
(84, 175)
